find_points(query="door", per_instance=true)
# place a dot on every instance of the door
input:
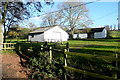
(56, 36)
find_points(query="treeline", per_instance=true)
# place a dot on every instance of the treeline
(19, 32)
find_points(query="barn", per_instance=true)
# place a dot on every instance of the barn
(48, 34)
(97, 33)
(80, 36)
(93, 33)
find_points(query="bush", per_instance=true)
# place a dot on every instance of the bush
(39, 61)
(26, 48)
(42, 68)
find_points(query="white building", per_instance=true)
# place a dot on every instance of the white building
(80, 36)
(93, 33)
(49, 34)
(102, 33)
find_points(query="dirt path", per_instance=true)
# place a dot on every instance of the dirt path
(11, 68)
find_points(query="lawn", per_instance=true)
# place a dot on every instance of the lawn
(94, 55)
(115, 34)
(95, 46)
(90, 46)
(15, 40)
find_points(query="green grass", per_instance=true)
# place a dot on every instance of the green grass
(96, 46)
(15, 40)
(115, 34)
(94, 55)
(105, 42)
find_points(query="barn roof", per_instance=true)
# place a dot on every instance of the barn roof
(42, 29)
(91, 30)
(97, 29)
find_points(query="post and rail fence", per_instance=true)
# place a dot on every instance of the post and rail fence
(66, 52)
(8, 46)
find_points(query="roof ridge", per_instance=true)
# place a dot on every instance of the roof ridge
(42, 29)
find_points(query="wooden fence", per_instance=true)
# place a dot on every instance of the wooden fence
(8, 46)
(96, 75)
(67, 53)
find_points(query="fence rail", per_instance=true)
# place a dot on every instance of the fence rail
(8, 46)
(90, 73)
(91, 56)
(96, 75)
(85, 72)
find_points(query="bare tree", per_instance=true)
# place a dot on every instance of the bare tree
(108, 31)
(52, 19)
(75, 15)
(31, 26)
(71, 14)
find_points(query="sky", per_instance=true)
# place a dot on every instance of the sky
(101, 13)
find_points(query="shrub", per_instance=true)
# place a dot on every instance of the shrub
(39, 61)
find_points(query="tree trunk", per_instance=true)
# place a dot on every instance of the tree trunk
(4, 19)
(4, 39)
(72, 33)
(4, 34)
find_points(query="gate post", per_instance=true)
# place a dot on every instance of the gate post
(67, 46)
(41, 47)
(50, 54)
(65, 57)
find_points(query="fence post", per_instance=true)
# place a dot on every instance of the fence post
(5, 47)
(41, 47)
(67, 46)
(1, 46)
(50, 54)
(116, 65)
(19, 49)
(65, 58)
(46, 43)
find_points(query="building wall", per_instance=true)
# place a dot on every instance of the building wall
(102, 34)
(55, 34)
(75, 36)
(80, 36)
(36, 37)
(83, 36)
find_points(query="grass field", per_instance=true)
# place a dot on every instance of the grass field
(15, 40)
(104, 52)
(115, 34)
(92, 46)
(96, 46)
(107, 47)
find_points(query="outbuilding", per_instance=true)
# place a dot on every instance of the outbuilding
(48, 34)
(98, 33)
(93, 33)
